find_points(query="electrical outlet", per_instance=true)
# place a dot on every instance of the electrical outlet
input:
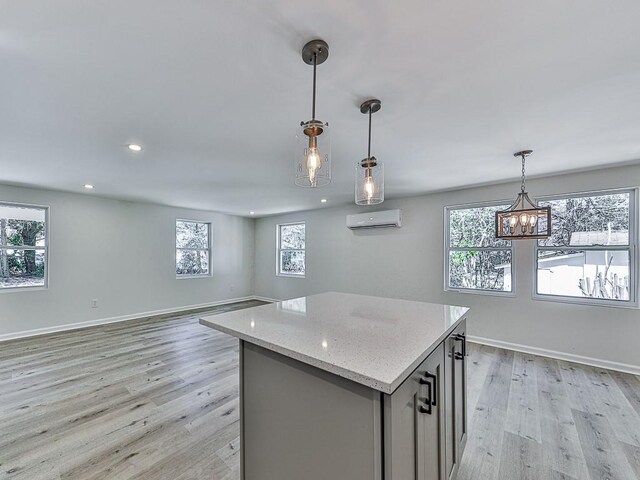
(94, 303)
(232, 287)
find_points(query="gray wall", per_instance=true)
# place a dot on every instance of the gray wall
(408, 263)
(122, 254)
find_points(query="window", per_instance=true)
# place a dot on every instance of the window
(193, 248)
(591, 254)
(291, 249)
(23, 246)
(475, 261)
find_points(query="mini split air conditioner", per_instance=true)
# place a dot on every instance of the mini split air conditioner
(386, 218)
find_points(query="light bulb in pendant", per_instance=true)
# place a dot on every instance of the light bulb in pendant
(513, 221)
(313, 164)
(369, 187)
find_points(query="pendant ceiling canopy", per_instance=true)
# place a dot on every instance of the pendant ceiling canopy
(313, 147)
(523, 219)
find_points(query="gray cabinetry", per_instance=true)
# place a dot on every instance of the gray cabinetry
(414, 421)
(455, 399)
(298, 421)
(460, 390)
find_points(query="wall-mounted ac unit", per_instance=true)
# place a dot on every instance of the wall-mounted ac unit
(386, 218)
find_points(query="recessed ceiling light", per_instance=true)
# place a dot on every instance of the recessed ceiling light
(252, 213)
(88, 186)
(324, 200)
(135, 148)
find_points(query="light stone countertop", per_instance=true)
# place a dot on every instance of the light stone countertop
(374, 341)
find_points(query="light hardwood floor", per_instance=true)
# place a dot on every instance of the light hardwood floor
(158, 399)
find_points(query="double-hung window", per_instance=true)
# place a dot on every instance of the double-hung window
(23, 246)
(475, 261)
(291, 249)
(193, 249)
(591, 254)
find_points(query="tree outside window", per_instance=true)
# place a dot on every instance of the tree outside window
(475, 260)
(23, 246)
(192, 248)
(291, 250)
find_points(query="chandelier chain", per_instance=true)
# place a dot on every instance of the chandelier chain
(522, 188)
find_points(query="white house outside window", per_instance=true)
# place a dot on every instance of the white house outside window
(291, 250)
(475, 261)
(23, 246)
(591, 254)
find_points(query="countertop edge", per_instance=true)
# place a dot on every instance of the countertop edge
(409, 370)
(375, 384)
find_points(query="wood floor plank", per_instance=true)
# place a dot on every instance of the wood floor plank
(630, 387)
(523, 416)
(561, 449)
(623, 419)
(230, 454)
(603, 453)
(486, 430)
(520, 458)
(633, 457)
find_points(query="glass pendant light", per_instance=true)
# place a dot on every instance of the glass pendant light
(313, 148)
(523, 220)
(370, 172)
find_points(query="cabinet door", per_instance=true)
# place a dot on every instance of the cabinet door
(430, 438)
(460, 389)
(401, 420)
(449, 410)
(455, 399)
(414, 424)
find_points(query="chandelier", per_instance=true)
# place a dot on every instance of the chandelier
(523, 220)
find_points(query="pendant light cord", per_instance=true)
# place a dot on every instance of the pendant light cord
(313, 107)
(369, 144)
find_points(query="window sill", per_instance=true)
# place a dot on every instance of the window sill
(185, 277)
(584, 302)
(23, 289)
(289, 275)
(490, 293)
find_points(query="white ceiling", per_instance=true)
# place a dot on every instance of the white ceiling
(215, 89)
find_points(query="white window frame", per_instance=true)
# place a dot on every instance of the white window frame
(208, 249)
(45, 286)
(280, 250)
(632, 248)
(448, 249)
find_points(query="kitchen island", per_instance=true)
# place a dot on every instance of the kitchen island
(342, 386)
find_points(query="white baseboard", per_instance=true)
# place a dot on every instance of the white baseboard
(569, 357)
(265, 299)
(123, 318)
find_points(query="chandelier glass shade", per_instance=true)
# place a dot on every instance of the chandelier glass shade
(370, 172)
(313, 144)
(523, 219)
